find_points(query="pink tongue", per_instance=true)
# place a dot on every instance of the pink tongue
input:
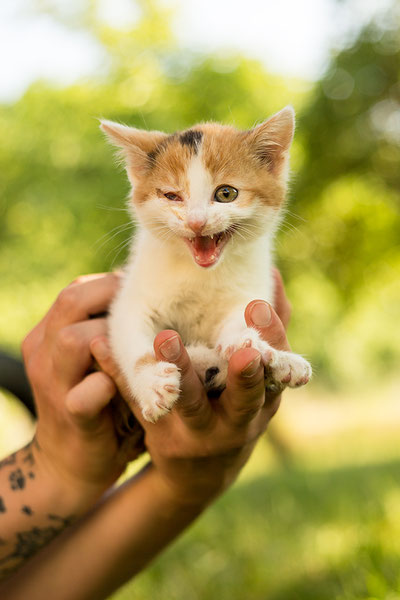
(204, 249)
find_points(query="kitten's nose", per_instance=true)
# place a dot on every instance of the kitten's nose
(196, 223)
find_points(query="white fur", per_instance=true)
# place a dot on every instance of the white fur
(164, 288)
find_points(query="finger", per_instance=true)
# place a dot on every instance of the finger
(87, 296)
(71, 356)
(281, 303)
(193, 405)
(261, 316)
(243, 397)
(86, 400)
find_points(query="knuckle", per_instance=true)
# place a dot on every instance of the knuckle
(67, 299)
(244, 413)
(69, 339)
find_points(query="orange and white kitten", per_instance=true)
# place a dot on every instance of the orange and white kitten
(207, 201)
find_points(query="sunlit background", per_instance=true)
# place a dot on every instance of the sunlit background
(316, 514)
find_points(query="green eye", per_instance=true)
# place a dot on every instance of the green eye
(226, 193)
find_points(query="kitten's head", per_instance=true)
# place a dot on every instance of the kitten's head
(211, 188)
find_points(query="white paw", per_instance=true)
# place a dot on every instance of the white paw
(281, 368)
(156, 389)
(286, 368)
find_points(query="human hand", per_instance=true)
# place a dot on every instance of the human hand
(76, 447)
(199, 448)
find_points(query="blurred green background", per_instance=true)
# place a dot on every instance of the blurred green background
(317, 513)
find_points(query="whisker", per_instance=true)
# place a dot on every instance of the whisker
(110, 235)
(120, 248)
(112, 208)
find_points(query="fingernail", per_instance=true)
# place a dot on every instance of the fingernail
(101, 349)
(171, 348)
(261, 314)
(252, 367)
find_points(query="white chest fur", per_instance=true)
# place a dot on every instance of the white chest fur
(169, 290)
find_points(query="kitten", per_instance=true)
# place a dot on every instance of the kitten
(208, 202)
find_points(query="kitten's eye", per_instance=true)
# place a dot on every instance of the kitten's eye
(172, 196)
(226, 193)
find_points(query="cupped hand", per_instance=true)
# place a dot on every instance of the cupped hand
(76, 444)
(199, 448)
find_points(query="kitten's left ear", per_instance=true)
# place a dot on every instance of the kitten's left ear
(272, 139)
(135, 145)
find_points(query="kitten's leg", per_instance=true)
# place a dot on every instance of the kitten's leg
(154, 384)
(281, 368)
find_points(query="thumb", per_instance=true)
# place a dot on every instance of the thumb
(261, 316)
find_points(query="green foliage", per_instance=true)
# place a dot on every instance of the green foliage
(62, 209)
(294, 535)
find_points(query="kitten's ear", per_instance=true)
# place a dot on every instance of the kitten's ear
(135, 145)
(272, 139)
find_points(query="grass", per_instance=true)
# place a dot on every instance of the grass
(296, 534)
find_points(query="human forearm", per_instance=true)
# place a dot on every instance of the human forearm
(110, 545)
(34, 508)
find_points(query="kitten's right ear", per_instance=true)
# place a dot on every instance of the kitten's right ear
(272, 139)
(135, 145)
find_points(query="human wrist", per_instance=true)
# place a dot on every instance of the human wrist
(71, 494)
(176, 496)
(198, 483)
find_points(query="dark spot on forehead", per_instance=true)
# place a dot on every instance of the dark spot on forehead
(191, 138)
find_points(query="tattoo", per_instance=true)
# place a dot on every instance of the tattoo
(17, 480)
(2, 506)
(30, 541)
(29, 458)
(27, 510)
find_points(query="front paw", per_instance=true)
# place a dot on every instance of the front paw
(156, 388)
(286, 369)
(281, 368)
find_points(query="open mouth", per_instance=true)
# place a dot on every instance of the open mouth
(206, 249)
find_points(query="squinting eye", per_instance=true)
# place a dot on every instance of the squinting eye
(226, 193)
(172, 196)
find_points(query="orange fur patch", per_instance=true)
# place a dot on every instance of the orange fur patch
(145, 360)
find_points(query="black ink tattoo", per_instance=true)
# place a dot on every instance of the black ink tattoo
(2, 506)
(27, 510)
(17, 480)
(31, 475)
(29, 459)
(30, 541)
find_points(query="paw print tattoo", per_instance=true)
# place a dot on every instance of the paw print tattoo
(17, 480)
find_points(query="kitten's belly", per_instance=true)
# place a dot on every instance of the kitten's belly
(195, 322)
(198, 318)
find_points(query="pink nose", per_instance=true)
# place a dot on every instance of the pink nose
(196, 223)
